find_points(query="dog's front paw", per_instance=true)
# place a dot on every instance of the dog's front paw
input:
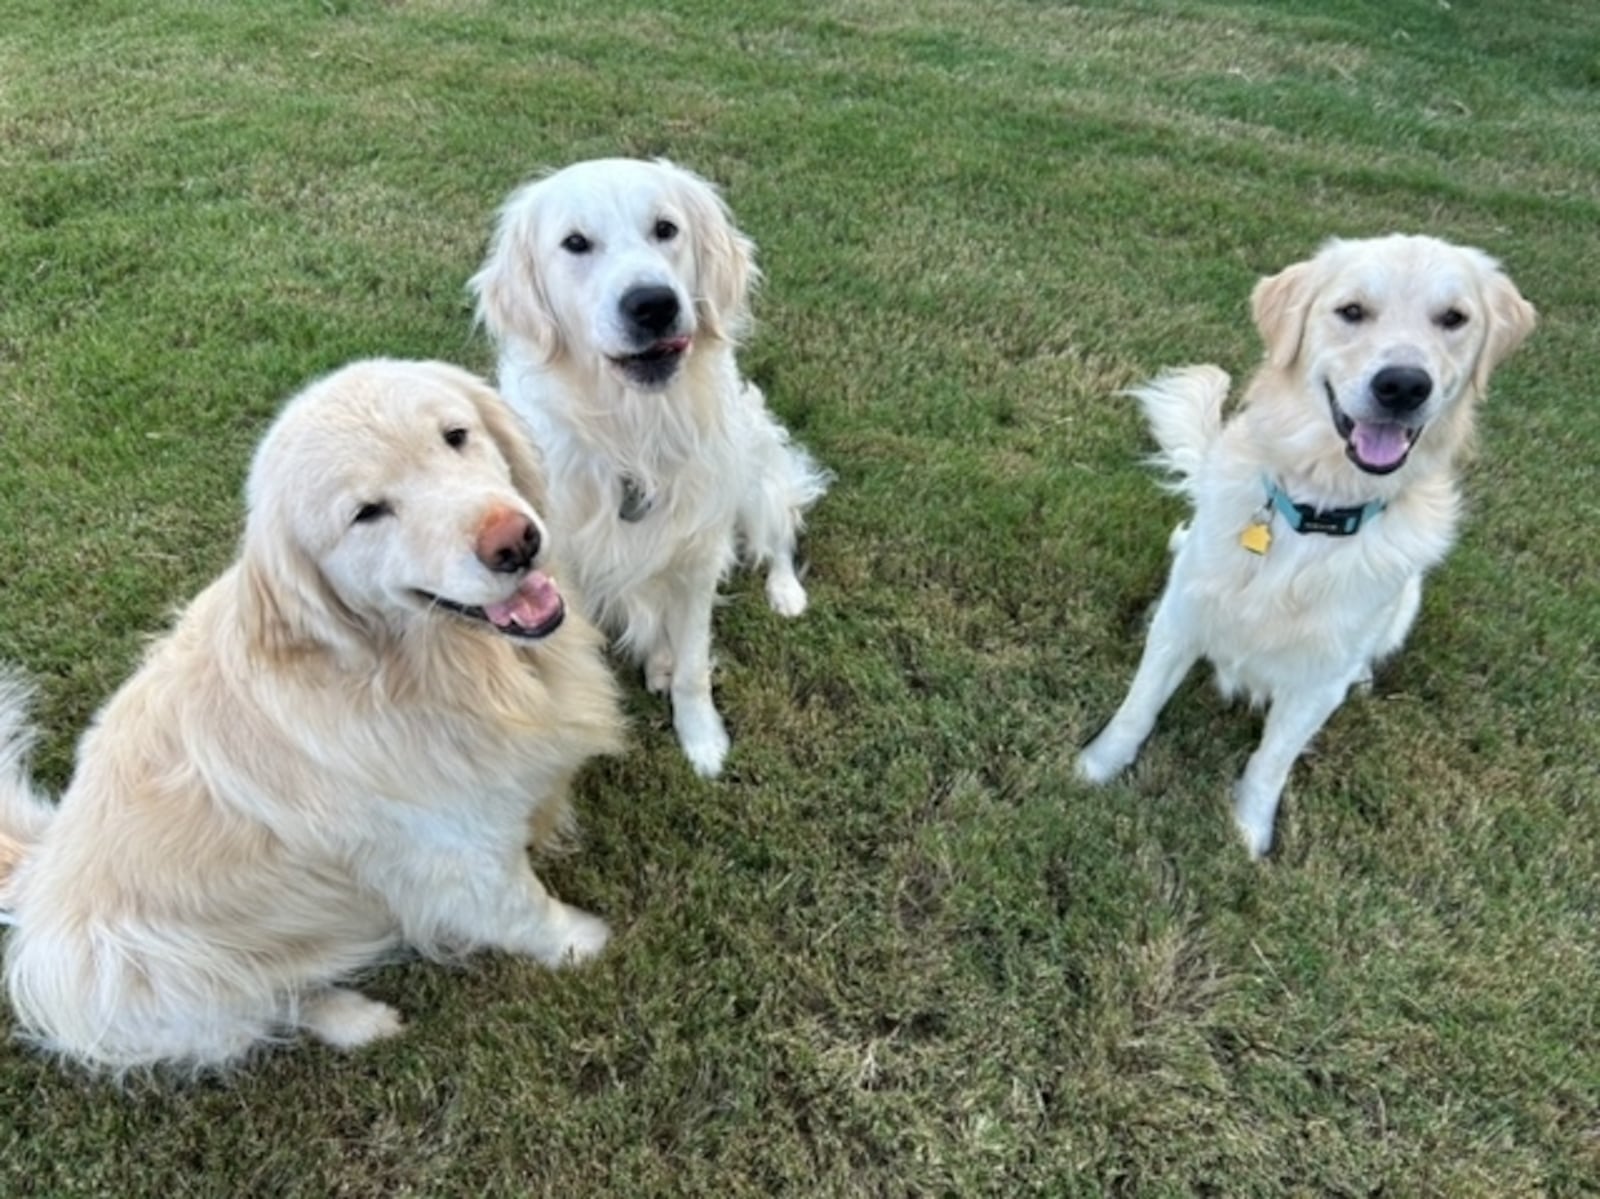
(707, 753)
(571, 936)
(785, 594)
(1102, 761)
(1253, 816)
(1092, 770)
(1257, 840)
(702, 736)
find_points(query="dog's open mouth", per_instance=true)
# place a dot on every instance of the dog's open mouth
(1377, 447)
(657, 364)
(534, 612)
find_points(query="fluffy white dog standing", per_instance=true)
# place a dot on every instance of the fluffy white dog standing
(617, 291)
(1319, 505)
(343, 746)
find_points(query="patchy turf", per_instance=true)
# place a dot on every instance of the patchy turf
(898, 950)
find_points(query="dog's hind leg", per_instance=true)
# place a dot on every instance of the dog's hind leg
(1292, 720)
(785, 593)
(658, 670)
(786, 482)
(347, 1019)
(1168, 656)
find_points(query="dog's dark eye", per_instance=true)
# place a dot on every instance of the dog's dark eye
(368, 513)
(1352, 314)
(665, 230)
(455, 438)
(576, 243)
(1452, 318)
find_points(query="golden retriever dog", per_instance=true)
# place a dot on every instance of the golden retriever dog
(617, 291)
(340, 749)
(1319, 505)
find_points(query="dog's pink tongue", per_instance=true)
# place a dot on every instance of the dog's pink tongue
(1379, 444)
(535, 602)
(674, 345)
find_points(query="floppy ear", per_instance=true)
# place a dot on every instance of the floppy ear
(285, 606)
(724, 258)
(1279, 305)
(1510, 319)
(512, 301)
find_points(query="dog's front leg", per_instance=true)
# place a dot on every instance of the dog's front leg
(495, 901)
(694, 715)
(1402, 615)
(1168, 656)
(540, 925)
(1292, 720)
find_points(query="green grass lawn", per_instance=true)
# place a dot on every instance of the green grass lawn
(897, 950)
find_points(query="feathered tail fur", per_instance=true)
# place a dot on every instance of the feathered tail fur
(24, 812)
(1184, 408)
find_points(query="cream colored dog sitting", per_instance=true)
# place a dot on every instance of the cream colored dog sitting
(340, 748)
(1321, 503)
(617, 291)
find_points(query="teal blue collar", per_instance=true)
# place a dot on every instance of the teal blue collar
(1335, 522)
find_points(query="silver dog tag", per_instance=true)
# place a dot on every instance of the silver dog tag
(636, 504)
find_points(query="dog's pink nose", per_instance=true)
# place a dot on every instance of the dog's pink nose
(507, 541)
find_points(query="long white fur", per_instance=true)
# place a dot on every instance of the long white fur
(315, 766)
(1296, 627)
(725, 479)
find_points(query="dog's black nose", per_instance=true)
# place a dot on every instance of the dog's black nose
(653, 309)
(1401, 388)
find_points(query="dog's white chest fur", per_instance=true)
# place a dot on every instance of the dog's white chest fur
(1312, 605)
(644, 494)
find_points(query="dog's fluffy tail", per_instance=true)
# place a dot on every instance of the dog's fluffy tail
(1184, 408)
(24, 812)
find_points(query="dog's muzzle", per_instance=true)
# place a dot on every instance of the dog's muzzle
(534, 611)
(1381, 447)
(655, 366)
(652, 314)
